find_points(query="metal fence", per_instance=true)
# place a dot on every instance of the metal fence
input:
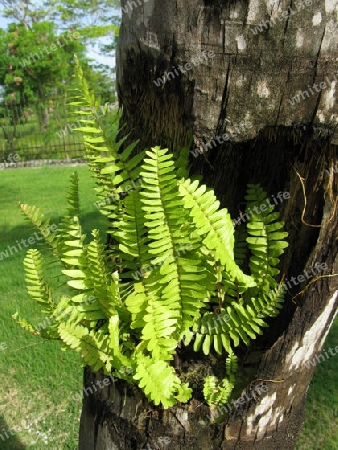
(38, 131)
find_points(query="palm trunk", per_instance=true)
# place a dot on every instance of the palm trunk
(239, 105)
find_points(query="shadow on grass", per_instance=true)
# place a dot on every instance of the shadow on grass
(14, 236)
(8, 437)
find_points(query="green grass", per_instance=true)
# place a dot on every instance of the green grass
(36, 377)
(321, 427)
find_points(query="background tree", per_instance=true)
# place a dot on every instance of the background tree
(93, 19)
(24, 11)
(265, 55)
(36, 63)
(37, 60)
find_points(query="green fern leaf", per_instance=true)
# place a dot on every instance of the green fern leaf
(168, 228)
(214, 225)
(265, 240)
(35, 281)
(159, 381)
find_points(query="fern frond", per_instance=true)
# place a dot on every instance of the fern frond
(169, 229)
(132, 243)
(93, 346)
(265, 238)
(241, 248)
(114, 168)
(182, 160)
(72, 196)
(35, 281)
(98, 279)
(236, 323)
(66, 230)
(159, 382)
(71, 244)
(48, 231)
(231, 366)
(215, 392)
(266, 304)
(214, 225)
(130, 234)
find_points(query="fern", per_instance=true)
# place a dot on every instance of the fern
(35, 281)
(168, 227)
(173, 274)
(115, 169)
(217, 392)
(214, 225)
(265, 238)
(241, 248)
(37, 219)
(92, 346)
(159, 382)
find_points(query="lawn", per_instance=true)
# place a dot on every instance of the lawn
(37, 379)
(321, 427)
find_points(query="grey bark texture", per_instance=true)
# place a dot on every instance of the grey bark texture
(245, 91)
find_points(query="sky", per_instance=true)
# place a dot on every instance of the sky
(92, 51)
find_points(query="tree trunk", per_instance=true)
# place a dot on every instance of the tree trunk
(238, 103)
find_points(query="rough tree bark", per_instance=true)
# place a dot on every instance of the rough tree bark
(244, 91)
